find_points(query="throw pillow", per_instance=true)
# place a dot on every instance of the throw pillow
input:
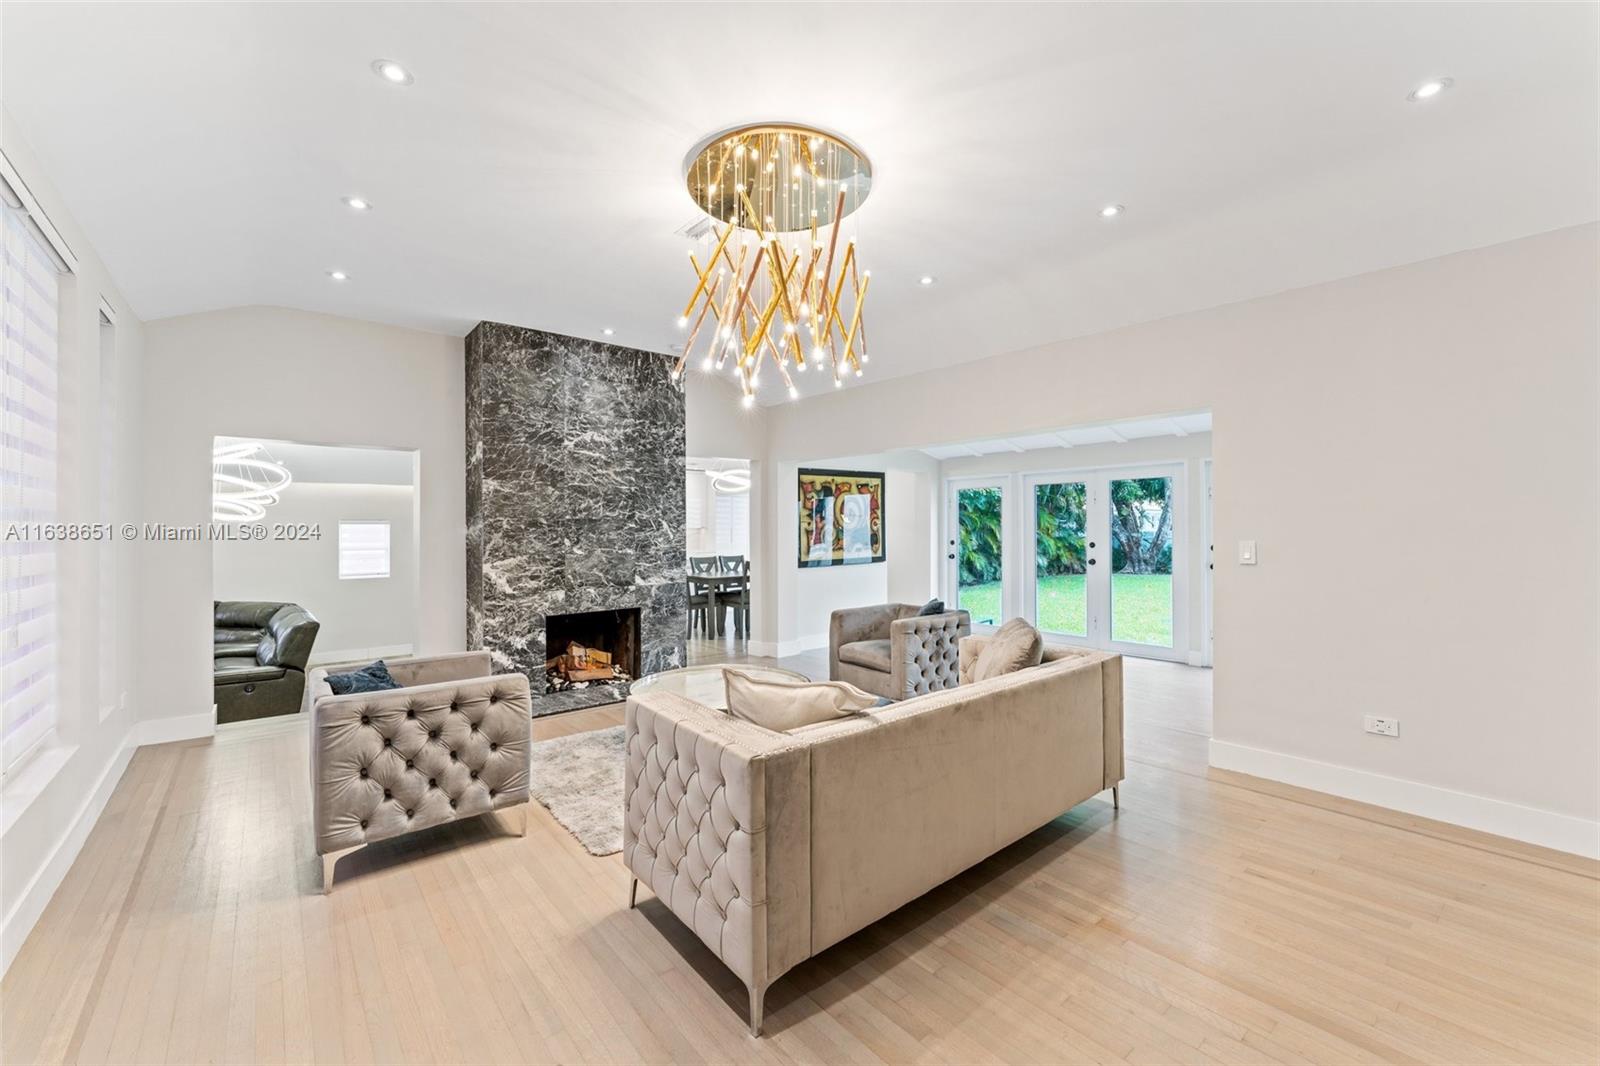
(1014, 646)
(784, 705)
(371, 678)
(931, 607)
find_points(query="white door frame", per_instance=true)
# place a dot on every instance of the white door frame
(1030, 557)
(1209, 561)
(1178, 523)
(949, 532)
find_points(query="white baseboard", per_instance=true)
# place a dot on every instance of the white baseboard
(16, 926)
(168, 730)
(1549, 829)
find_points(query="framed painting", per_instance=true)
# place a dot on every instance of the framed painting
(841, 517)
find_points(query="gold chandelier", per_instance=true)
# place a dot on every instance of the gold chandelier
(771, 276)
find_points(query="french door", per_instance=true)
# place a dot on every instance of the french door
(1107, 565)
(977, 549)
(1097, 558)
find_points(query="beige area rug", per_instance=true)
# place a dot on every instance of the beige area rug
(579, 780)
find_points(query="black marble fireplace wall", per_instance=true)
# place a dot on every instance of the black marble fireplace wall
(575, 454)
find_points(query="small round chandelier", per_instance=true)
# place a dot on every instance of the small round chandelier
(245, 481)
(775, 285)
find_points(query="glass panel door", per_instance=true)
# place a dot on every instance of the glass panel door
(976, 551)
(1141, 514)
(1061, 557)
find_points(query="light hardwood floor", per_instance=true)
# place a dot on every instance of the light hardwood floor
(1216, 918)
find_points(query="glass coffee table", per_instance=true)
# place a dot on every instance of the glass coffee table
(704, 684)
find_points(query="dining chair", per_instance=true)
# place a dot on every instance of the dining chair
(702, 601)
(732, 564)
(735, 597)
(702, 564)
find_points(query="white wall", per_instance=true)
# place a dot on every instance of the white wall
(291, 375)
(1190, 452)
(1396, 443)
(51, 802)
(791, 607)
(359, 618)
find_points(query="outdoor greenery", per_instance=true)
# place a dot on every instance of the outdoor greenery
(1141, 557)
(1141, 606)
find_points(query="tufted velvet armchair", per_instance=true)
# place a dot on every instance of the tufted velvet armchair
(452, 743)
(890, 650)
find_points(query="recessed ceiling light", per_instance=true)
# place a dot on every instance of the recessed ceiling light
(1111, 210)
(927, 279)
(338, 275)
(356, 203)
(391, 72)
(1429, 89)
(608, 331)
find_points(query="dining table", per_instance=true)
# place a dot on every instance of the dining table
(714, 583)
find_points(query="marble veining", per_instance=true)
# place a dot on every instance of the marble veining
(575, 465)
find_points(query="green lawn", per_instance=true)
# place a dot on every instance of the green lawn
(1141, 606)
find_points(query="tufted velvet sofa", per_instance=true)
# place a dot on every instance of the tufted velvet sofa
(452, 743)
(773, 847)
(890, 650)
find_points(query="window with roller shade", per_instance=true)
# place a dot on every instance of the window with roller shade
(363, 549)
(29, 587)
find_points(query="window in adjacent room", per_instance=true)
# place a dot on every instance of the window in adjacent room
(733, 523)
(29, 591)
(363, 549)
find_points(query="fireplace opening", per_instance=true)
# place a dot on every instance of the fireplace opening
(590, 649)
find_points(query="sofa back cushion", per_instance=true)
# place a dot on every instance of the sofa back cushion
(1014, 646)
(242, 614)
(915, 793)
(291, 631)
(785, 705)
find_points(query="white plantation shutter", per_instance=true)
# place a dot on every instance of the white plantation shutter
(733, 524)
(29, 594)
(363, 549)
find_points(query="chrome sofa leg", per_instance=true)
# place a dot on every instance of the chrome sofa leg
(328, 861)
(633, 893)
(1116, 798)
(758, 995)
(522, 820)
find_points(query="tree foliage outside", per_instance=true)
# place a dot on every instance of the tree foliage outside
(1141, 557)
(1141, 526)
(978, 513)
(1061, 514)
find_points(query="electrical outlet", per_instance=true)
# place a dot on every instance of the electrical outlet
(1384, 727)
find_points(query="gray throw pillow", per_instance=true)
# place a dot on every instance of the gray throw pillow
(931, 607)
(1014, 646)
(371, 678)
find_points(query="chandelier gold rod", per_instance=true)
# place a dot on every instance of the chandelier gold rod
(855, 323)
(861, 294)
(688, 346)
(700, 287)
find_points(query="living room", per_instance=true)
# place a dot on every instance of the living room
(522, 547)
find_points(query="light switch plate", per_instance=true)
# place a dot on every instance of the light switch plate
(1247, 553)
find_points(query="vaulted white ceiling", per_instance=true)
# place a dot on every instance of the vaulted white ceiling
(531, 174)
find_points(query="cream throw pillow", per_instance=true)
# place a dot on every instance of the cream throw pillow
(1014, 646)
(784, 705)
